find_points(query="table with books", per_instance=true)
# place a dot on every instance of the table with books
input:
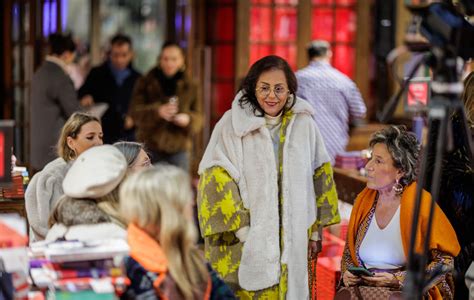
(79, 269)
(91, 269)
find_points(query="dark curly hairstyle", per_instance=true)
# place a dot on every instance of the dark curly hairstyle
(403, 148)
(249, 84)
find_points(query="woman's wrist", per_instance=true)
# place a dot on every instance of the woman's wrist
(395, 282)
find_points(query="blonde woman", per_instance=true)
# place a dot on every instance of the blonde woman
(81, 132)
(157, 204)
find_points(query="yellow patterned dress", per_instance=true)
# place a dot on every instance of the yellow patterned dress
(221, 213)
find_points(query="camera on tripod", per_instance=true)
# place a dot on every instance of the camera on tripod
(444, 26)
(441, 29)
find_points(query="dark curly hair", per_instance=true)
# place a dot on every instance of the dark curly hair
(267, 63)
(403, 148)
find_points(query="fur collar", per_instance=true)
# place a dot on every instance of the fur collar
(245, 121)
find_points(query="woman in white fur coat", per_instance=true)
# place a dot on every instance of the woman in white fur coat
(266, 188)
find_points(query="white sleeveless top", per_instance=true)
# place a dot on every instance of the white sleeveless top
(383, 248)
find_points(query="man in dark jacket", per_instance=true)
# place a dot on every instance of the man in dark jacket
(112, 83)
(53, 100)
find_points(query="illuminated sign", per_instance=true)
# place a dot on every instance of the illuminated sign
(417, 94)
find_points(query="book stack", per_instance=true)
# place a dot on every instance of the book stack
(15, 190)
(80, 270)
(13, 257)
(350, 160)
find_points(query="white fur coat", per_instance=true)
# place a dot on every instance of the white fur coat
(242, 145)
(42, 193)
(86, 232)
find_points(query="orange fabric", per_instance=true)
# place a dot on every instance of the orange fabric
(443, 236)
(434, 293)
(147, 252)
(207, 294)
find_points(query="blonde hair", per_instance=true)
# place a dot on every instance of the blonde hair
(110, 205)
(468, 98)
(158, 197)
(72, 128)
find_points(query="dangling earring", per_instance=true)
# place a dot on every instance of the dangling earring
(72, 154)
(397, 188)
(289, 101)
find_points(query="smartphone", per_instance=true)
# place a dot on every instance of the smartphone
(360, 271)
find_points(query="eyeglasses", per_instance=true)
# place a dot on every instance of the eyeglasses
(279, 91)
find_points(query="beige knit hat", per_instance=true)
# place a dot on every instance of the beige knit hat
(95, 173)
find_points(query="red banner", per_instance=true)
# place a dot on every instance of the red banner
(2, 154)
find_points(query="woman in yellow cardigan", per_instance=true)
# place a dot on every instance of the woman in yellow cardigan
(380, 225)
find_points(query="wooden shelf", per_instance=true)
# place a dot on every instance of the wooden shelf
(360, 136)
(13, 206)
(348, 184)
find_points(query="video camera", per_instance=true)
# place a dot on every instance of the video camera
(444, 25)
(439, 30)
(448, 36)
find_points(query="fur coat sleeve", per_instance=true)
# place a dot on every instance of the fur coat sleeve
(43, 192)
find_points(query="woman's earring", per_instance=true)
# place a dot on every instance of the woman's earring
(290, 100)
(72, 154)
(397, 188)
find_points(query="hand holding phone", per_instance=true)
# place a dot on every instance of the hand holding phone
(360, 271)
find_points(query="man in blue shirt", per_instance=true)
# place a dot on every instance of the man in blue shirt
(334, 97)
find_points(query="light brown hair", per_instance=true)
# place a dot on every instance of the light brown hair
(468, 98)
(72, 128)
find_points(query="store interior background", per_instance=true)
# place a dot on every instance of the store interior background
(222, 38)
